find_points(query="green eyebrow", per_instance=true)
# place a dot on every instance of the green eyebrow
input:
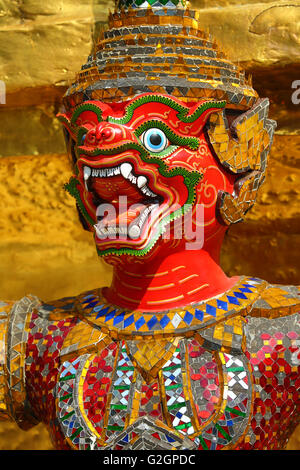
(190, 142)
(182, 111)
(86, 107)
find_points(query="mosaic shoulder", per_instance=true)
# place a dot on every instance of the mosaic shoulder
(277, 301)
(273, 350)
(14, 319)
(5, 308)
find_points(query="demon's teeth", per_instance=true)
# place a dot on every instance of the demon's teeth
(101, 231)
(98, 231)
(132, 178)
(147, 191)
(134, 232)
(145, 214)
(126, 169)
(121, 230)
(141, 181)
(87, 172)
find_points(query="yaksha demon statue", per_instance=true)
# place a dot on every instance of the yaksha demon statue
(161, 128)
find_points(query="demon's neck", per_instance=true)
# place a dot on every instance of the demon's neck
(172, 279)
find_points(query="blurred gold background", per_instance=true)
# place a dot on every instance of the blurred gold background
(43, 249)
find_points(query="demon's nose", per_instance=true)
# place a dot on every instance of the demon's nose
(107, 133)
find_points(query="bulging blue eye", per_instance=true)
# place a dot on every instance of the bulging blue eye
(83, 139)
(154, 140)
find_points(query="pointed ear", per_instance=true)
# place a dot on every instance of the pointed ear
(65, 119)
(200, 113)
(70, 146)
(244, 143)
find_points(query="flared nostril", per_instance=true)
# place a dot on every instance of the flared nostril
(104, 133)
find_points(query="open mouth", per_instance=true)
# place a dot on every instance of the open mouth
(125, 206)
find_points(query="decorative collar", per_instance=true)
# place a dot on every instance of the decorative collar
(123, 323)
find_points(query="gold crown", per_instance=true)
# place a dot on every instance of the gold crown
(158, 46)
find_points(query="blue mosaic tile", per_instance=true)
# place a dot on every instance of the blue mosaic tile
(102, 312)
(164, 321)
(125, 440)
(199, 314)
(232, 300)
(118, 319)
(250, 286)
(188, 318)
(110, 315)
(240, 295)
(141, 321)
(128, 321)
(152, 322)
(89, 297)
(211, 310)
(91, 305)
(222, 304)
(245, 289)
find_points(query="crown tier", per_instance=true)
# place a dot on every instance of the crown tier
(159, 50)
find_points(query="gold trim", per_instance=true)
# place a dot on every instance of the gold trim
(80, 396)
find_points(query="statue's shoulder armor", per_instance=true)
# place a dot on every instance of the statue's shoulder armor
(277, 301)
(54, 333)
(31, 333)
(5, 309)
(77, 336)
(273, 327)
(14, 320)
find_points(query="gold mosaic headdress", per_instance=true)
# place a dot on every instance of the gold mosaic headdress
(158, 46)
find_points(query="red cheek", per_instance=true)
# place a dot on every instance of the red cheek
(215, 178)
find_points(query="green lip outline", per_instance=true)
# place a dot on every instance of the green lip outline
(191, 179)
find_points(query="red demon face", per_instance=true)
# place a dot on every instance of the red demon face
(141, 168)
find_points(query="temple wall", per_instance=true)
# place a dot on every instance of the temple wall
(43, 250)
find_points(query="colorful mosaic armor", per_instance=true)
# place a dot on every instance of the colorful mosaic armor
(174, 354)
